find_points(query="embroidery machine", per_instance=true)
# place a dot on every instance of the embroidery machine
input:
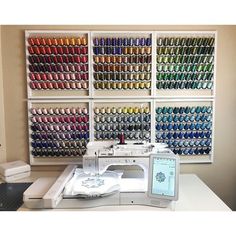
(95, 185)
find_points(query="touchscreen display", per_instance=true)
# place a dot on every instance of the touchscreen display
(163, 178)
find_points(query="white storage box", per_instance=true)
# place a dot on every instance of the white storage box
(15, 170)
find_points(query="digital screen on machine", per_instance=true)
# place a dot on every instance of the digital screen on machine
(163, 178)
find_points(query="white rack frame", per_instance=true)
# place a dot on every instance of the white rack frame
(92, 99)
(51, 33)
(199, 158)
(51, 160)
(189, 33)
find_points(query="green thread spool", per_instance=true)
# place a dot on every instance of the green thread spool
(177, 41)
(209, 84)
(159, 85)
(176, 68)
(159, 41)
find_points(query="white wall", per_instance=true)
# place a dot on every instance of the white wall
(219, 176)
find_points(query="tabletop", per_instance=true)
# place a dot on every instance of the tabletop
(194, 195)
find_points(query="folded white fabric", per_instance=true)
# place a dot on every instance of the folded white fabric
(11, 171)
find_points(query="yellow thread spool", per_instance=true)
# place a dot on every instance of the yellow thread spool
(78, 41)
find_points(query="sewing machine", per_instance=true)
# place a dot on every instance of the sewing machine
(95, 185)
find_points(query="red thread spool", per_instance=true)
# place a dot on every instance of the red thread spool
(122, 138)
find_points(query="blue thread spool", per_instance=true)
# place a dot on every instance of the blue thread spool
(119, 42)
(113, 41)
(130, 41)
(164, 119)
(119, 50)
(197, 142)
(208, 142)
(198, 109)
(181, 110)
(163, 136)
(196, 151)
(197, 118)
(164, 110)
(186, 135)
(181, 143)
(148, 41)
(96, 50)
(203, 109)
(190, 152)
(208, 134)
(170, 118)
(197, 126)
(174, 143)
(202, 142)
(192, 118)
(33, 136)
(192, 110)
(125, 42)
(180, 152)
(203, 126)
(164, 127)
(186, 126)
(158, 135)
(191, 143)
(180, 126)
(108, 41)
(102, 42)
(186, 143)
(191, 135)
(113, 50)
(108, 50)
(158, 127)
(96, 41)
(169, 135)
(186, 118)
(136, 42)
(180, 135)
(191, 127)
(169, 143)
(175, 118)
(202, 118)
(209, 110)
(175, 135)
(176, 110)
(201, 134)
(158, 110)
(185, 152)
(181, 118)
(170, 127)
(208, 126)
(33, 144)
(187, 110)
(170, 110)
(208, 118)
(142, 41)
